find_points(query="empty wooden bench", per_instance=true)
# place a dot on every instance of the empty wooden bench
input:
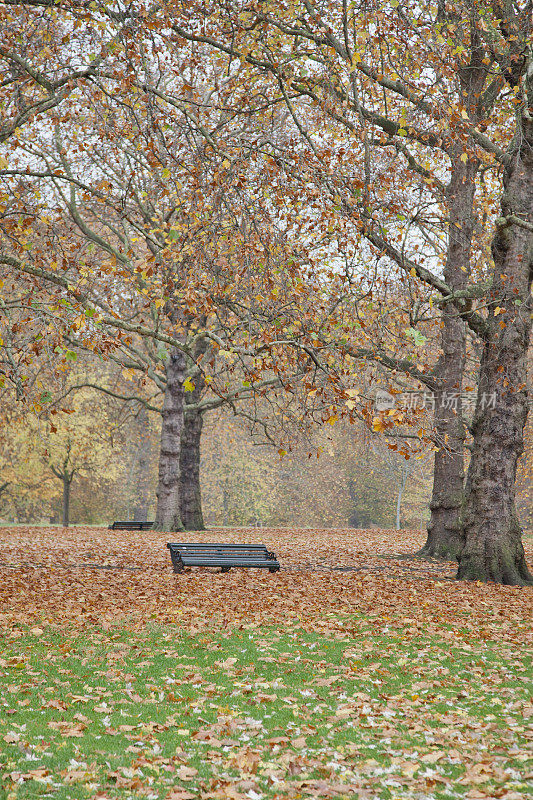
(131, 526)
(226, 555)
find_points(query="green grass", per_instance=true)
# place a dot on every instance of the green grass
(260, 713)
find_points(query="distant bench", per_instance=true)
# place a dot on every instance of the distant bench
(227, 555)
(131, 526)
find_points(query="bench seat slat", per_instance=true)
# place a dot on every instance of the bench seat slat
(224, 556)
(225, 550)
(226, 562)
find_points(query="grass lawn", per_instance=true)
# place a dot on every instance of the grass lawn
(391, 700)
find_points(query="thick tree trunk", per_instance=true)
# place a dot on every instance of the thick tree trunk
(167, 517)
(142, 482)
(67, 481)
(493, 549)
(445, 536)
(190, 492)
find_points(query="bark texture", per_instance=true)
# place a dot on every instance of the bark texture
(190, 490)
(67, 482)
(167, 517)
(445, 536)
(493, 549)
(65, 473)
(142, 477)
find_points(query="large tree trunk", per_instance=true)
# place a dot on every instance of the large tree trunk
(190, 493)
(445, 536)
(167, 517)
(493, 549)
(142, 477)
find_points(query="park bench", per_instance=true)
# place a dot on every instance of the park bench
(226, 555)
(131, 526)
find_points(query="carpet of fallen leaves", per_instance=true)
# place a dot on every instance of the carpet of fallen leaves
(357, 671)
(91, 575)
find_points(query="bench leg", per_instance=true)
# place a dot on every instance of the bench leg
(225, 569)
(273, 569)
(177, 565)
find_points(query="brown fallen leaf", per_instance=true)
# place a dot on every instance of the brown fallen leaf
(432, 758)
(246, 760)
(300, 742)
(511, 796)
(326, 681)
(38, 774)
(58, 704)
(67, 729)
(225, 793)
(186, 773)
(180, 794)
(75, 776)
(343, 713)
(229, 662)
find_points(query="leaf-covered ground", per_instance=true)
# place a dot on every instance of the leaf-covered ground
(357, 671)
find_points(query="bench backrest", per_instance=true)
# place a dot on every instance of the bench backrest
(217, 549)
(208, 545)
